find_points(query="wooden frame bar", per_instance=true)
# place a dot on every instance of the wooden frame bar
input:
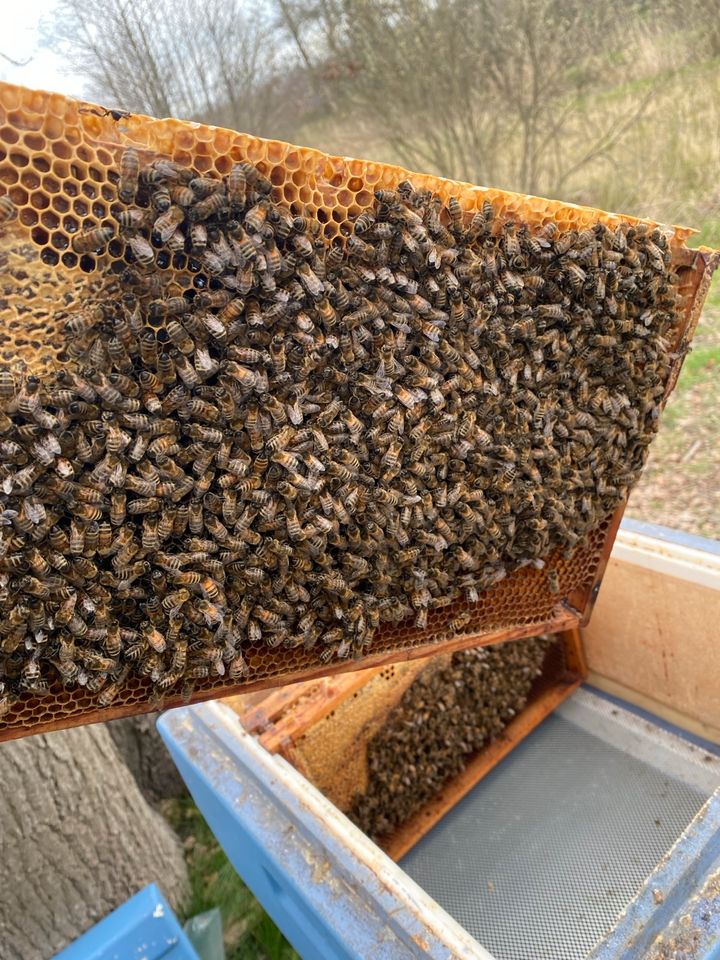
(283, 717)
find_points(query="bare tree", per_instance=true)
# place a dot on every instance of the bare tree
(214, 61)
(147, 758)
(546, 62)
(15, 63)
(486, 90)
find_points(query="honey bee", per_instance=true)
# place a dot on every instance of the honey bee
(205, 186)
(129, 175)
(93, 241)
(142, 250)
(211, 205)
(167, 223)
(161, 198)
(455, 213)
(198, 238)
(237, 185)
(135, 218)
(255, 217)
(8, 210)
(553, 311)
(118, 507)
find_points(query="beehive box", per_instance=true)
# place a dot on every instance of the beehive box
(60, 163)
(327, 727)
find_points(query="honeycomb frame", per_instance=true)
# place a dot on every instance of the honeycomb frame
(317, 725)
(58, 163)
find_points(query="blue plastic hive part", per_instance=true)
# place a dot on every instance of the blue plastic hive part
(143, 928)
(336, 895)
(678, 538)
(333, 893)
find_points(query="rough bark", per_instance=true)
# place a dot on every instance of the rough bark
(147, 758)
(76, 840)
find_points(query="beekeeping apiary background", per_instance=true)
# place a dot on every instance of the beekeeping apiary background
(61, 166)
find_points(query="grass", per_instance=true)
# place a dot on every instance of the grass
(681, 483)
(249, 933)
(709, 235)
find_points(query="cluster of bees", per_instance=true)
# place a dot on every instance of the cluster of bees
(261, 439)
(450, 711)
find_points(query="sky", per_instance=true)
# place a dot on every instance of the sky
(20, 39)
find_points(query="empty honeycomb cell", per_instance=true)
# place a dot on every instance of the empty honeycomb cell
(9, 174)
(28, 217)
(83, 152)
(30, 179)
(184, 139)
(40, 200)
(275, 152)
(34, 142)
(18, 196)
(62, 150)
(9, 135)
(51, 185)
(24, 120)
(60, 169)
(79, 172)
(52, 127)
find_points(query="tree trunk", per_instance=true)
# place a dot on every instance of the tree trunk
(77, 839)
(147, 757)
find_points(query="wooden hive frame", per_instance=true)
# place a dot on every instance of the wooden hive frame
(58, 163)
(358, 703)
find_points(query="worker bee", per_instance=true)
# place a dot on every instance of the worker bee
(129, 175)
(167, 223)
(255, 217)
(212, 204)
(455, 213)
(205, 186)
(237, 185)
(134, 218)
(8, 210)
(161, 198)
(93, 241)
(141, 250)
(553, 581)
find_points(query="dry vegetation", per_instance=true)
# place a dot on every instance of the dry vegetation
(519, 94)
(681, 484)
